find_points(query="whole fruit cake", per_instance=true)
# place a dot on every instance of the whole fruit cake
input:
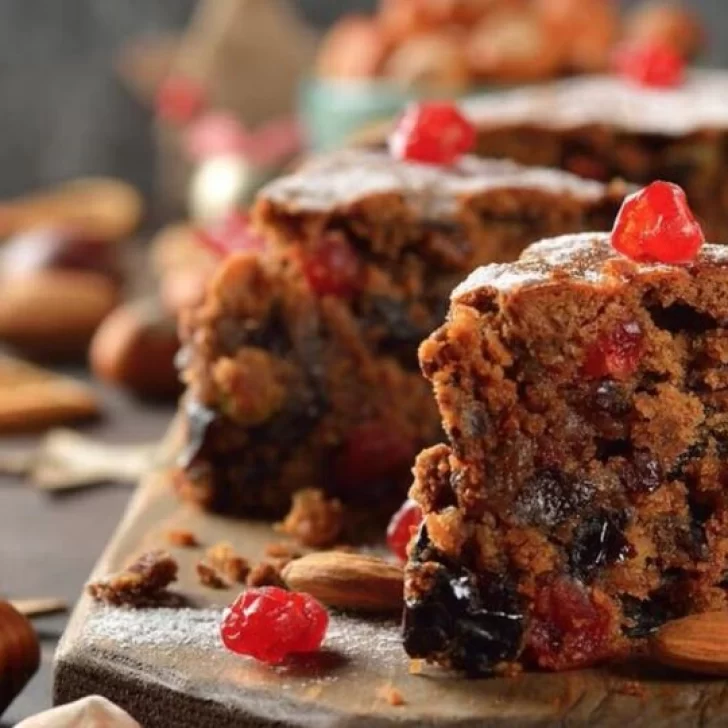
(301, 363)
(580, 501)
(651, 120)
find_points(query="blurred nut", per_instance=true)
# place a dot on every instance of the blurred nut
(666, 23)
(19, 653)
(512, 46)
(135, 347)
(354, 48)
(433, 61)
(585, 30)
(54, 312)
(183, 289)
(50, 248)
(176, 246)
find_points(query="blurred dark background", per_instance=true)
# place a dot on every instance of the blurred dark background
(63, 112)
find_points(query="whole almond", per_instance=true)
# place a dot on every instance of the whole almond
(19, 653)
(698, 643)
(55, 312)
(348, 581)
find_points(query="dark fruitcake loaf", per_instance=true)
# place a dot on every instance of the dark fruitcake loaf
(581, 499)
(301, 364)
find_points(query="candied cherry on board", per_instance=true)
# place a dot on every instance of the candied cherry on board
(270, 624)
(401, 527)
(179, 99)
(656, 225)
(655, 65)
(332, 268)
(615, 354)
(230, 234)
(433, 132)
(372, 452)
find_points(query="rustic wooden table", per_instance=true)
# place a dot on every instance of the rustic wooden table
(49, 544)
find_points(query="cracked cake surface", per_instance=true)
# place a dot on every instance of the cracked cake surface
(301, 364)
(579, 501)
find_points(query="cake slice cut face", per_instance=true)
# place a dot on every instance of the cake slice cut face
(301, 364)
(580, 501)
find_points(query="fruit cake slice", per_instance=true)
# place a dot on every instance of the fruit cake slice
(581, 499)
(609, 126)
(301, 364)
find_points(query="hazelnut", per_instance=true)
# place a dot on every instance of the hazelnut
(135, 347)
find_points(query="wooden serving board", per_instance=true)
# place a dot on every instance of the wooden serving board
(168, 668)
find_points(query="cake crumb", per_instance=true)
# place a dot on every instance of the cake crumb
(264, 574)
(631, 687)
(282, 550)
(181, 538)
(314, 692)
(313, 520)
(209, 577)
(223, 558)
(391, 695)
(415, 667)
(144, 582)
(508, 669)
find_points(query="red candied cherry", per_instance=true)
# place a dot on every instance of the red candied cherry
(656, 225)
(650, 64)
(433, 132)
(570, 628)
(332, 268)
(615, 354)
(270, 624)
(179, 99)
(373, 451)
(403, 524)
(232, 233)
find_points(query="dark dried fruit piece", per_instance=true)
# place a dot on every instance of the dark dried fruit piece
(599, 541)
(473, 620)
(549, 497)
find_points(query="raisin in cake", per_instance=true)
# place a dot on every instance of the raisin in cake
(301, 364)
(580, 501)
(607, 126)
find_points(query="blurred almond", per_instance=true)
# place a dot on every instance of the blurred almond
(54, 312)
(354, 48)
(512, 46)
(667, 23)
(19, 653)
(97, 207)
(135, 348)
(433, 61)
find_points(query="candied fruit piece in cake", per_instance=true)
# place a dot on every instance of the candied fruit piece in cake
(583, 467)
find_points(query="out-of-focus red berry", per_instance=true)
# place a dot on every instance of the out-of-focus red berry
(401, 527)
(653, 65)
(230, 234)
(179, 99)
(432, 132)
(332, 268)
